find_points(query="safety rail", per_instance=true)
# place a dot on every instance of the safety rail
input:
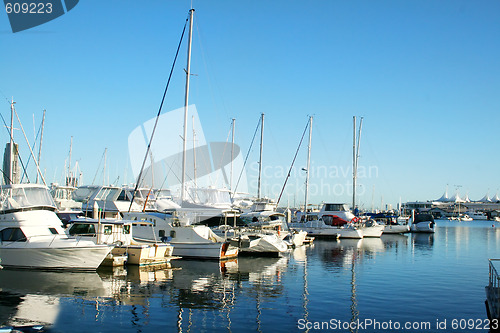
(493, 289)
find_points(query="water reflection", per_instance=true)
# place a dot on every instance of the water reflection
(422, 241)
(33, 297)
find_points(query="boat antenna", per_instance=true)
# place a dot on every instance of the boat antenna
(157, 116)
(291, 166)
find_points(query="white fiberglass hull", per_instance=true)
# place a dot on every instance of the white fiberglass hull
(263, 244)
(70, 258)
(204, 250)
(373, 231)
(396, 229)
(319, 229)
(425, 226)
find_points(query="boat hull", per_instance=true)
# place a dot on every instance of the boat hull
(317, 229)
(263, 244)
(426, 226)
(204, 250)
(54, 258)
(396, 229)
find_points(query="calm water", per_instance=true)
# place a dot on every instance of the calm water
(415, 279)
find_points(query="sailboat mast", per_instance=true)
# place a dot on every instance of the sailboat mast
(68, 177)
(308, 164)
(40, 147)
(260, 157)
(354, 163)
(355, 157)
(11, 145)
(232, 157)
(194, 152)
(186, 101)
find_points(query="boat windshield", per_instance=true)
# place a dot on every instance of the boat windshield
(25, 197)
(331, 207)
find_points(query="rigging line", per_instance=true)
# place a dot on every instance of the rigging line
(223, 154)
(6, 176)
(158, 115)
(246, 157)
(212, 82)
(291, 166)
(19, 156)
(98, 167)
(39, 171)
(33, 147)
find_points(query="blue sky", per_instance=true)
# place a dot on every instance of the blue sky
(425, 76)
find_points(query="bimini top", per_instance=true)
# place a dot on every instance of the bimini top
(21, 197)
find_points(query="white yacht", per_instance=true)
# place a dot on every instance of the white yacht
(370, 228)
(476, 215)
(189, 241)
(339, 209)
(327, 226)
(32, 236)
(422, 223)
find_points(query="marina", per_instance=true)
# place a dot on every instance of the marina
(197, 221)
(392, 278)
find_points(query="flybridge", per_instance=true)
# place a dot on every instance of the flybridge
(25, 196)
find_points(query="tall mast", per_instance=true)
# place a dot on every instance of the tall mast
(232, 157)
(11, 145)
(41, 140)
(194, 152)
(68, 177)
(353, 162)
(260, 156)
(308, 164)
(186, 101)
(355, 156)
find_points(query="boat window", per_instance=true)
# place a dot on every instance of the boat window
(82, 229)
(327, 219)
(334, 207)
(53, 231)
(122, 196)
(161, 233)
(107, 229)
(12, 235)
(172, 233)
(126, 229)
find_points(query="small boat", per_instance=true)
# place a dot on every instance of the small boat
(369, 228)
(189, 241)
(392, 224)
(119, 233)
(255, 242)
(327, 226)
(422, 223)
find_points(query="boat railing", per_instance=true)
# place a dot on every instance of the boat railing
(493, 292)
